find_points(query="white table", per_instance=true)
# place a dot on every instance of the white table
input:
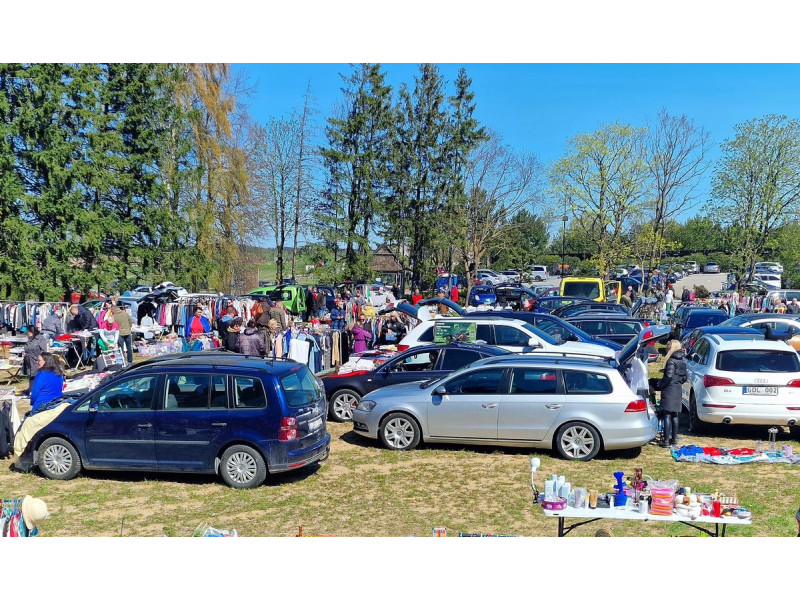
(628, 513)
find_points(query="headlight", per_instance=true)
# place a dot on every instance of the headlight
(366, 405)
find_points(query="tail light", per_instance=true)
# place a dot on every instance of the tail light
(402, 347)
(711, 381)
(638, 405)
(288, 431)
(647, 324)
(793, 383)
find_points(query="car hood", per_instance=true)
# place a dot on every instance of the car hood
(405, 391)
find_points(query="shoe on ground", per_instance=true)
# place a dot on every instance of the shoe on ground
(663, 445)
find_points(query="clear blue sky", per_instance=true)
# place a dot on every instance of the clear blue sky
(538, 107)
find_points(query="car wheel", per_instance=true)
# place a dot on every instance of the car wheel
(695, 424)
(58, 459)
(398, 431)
(342, 404)
(577, 441)
(242, 468)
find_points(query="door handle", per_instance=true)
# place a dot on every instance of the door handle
(489, 405)
(219, 424)
(145, 425)
(553, 406)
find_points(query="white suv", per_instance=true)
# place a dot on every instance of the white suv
(739, 381)
(490, 277)
(539, 273)
(513, 335)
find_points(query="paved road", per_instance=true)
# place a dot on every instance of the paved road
(712, 282)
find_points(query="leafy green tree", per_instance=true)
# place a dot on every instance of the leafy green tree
(756, 185)
(526, 238)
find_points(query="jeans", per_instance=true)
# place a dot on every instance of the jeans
(126, 342)
(670, 427)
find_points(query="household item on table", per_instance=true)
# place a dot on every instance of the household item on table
(662, 497)
(773, 442)
(620, 498)
(593, 499)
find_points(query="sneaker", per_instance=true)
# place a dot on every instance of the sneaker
(663, 445)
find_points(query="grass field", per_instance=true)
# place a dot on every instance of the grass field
(365, 490)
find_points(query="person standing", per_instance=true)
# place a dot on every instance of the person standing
(625, 300)
(793, 308)
(53, 325)
(231, 340)
(454, 293)
(685, 294)
(671, 385)
(82, 317)
(105, 318)
(360, 335)
(197, 324)
(251, 342)
(125, 324)
(225, 320)
(49, 381)
(338, 315)
(278, 312)
(668, 298)
(392, 331)
(416, 296)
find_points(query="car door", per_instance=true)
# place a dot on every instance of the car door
(469, 406)
(531, 406)
(416, 366)
(696, 367)
(120, 433)
(192, 416)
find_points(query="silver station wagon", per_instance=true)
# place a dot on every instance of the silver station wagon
(576, 405)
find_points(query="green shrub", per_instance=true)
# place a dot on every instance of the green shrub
(700, 291)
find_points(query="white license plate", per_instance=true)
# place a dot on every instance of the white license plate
(759, 390)
(315, 424)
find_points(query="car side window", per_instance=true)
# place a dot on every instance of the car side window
(419, 361)
(592, 327)
(249, 393)
(510, 336)
(427, 335)
(582, 382)
(623, 327)
(485, 381)
(187, 392)
(219, 393)
(533, 381)
(135, 393)
(455, 358)
(483, 333)
(554, 330)
(701, 349)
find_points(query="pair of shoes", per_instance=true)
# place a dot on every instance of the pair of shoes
(663, 445)
(673, 443)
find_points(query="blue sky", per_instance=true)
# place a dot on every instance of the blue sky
(538, 107)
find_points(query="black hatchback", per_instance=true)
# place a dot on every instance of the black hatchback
(344, 391)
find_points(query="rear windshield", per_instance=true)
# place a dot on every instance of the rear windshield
(300, 388)
(758, 361)
(706, 319)
(586, 289)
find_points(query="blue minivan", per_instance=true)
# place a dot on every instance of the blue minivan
(202, 412)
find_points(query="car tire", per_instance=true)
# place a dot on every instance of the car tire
(58, 459)
(695, 424)
(341, 405)
(399, 431)
(242, 467)
(577, 441)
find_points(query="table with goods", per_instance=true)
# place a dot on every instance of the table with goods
(638, 497)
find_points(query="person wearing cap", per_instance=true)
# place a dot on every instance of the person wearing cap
(53, 325)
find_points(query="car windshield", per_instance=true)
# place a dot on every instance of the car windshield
(706, 319)
(588, 289)
(758, 361)
(541, 334)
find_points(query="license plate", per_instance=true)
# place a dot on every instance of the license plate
(315, 424)
(759, 390)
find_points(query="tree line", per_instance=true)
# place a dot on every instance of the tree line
(115, 174)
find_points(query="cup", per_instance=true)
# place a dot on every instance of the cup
(643, 507)
(687, 490)
(610, 501)
(593, 499)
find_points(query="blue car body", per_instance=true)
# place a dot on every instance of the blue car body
(482, 295)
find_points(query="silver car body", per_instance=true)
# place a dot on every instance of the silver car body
(742, 381)
(510, 417)
(711, 268)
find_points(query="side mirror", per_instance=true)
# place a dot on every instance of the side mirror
(94, 407)
(694, 357)
(440, 390)
(534, 343)
(573, 338)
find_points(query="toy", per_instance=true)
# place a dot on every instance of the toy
(620, 498)
(637, 484)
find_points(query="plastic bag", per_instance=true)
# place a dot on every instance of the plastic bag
(205, 530)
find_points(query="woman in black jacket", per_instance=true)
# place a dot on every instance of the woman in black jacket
(671, 385)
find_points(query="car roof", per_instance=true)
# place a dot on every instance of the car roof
(514, 359)
(215, 359)
(602, 315)
(728, 342)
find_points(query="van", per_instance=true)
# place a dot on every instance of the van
(539, 273)
(218, 413)
(292, 296)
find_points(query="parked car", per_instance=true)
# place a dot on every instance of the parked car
(538, 273)
(513, 335)
(418, 364)
(514, 296)
(691, 318)
(711, 267)
(577, 406)
(481, 295)
(565, 312)
(217, 413)
(693, 266)
(292, 296)
(690, 340)
(128, 304)
(612, 327)
(786, 294)
(542, 290)
(548, 304)
(772, 266)
(736, 381)
(511, 276)
(784, 325)
(487, 276)
(770, 281)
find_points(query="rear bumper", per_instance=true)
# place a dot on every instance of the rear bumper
(749, 415)
(630, 437)
(280, 460)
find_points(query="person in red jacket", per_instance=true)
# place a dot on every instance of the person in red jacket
(415, 297)
(454, 294)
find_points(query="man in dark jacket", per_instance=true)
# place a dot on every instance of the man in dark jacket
(671, 385)
(231, 340)
(82, 317)
(793, 308)
(251, 342)
(52, 326)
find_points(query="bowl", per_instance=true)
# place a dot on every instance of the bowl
(559, 504)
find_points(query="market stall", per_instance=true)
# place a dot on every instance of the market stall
(640, 498)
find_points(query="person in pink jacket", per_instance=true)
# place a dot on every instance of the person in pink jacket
(360, 335)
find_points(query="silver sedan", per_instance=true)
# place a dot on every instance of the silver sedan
(577, 405)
